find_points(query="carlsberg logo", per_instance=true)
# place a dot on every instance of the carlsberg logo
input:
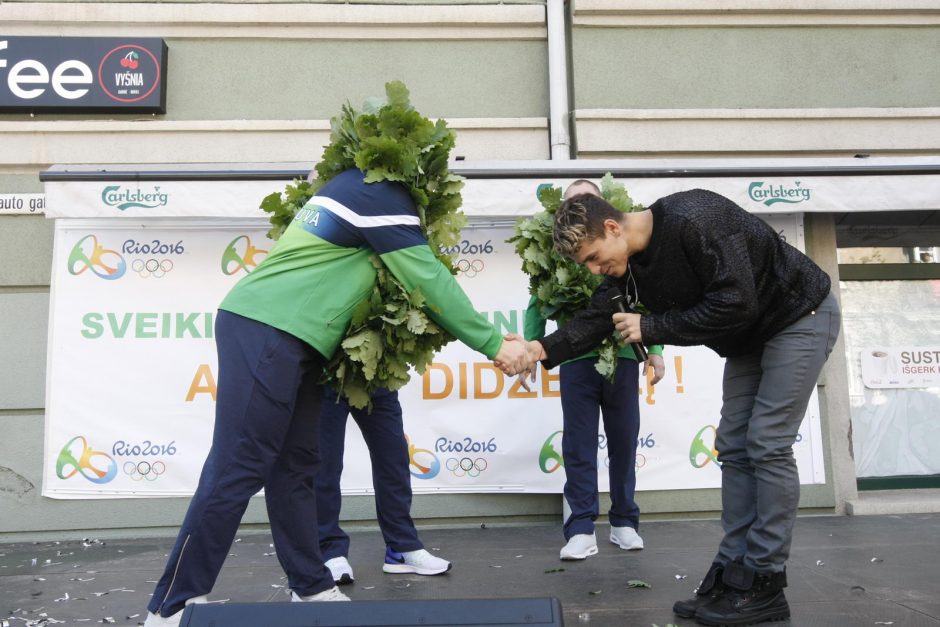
(772, 194)
(116, 196)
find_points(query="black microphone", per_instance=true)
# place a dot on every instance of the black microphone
(638, 348)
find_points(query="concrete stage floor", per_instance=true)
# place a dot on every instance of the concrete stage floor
(844, 571)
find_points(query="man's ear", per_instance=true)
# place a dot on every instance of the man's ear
(612, 227)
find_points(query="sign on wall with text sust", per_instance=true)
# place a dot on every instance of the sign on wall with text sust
(82, 74)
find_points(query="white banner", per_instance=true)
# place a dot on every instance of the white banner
(900, 366)
(158, 199)
(503, 197)
(132, 363)
(756, 194)
(131, 369)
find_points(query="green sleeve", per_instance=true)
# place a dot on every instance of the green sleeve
(655, 349)
(533, 324)
(448, 305)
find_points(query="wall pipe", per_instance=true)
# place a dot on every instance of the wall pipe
(558, 112)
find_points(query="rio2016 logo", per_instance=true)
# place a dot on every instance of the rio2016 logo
(153, 267)
(88, 254)
(465, 465)
(703, 450)
(77, 457)
(550, 457)
(241, 254)
(422, 463)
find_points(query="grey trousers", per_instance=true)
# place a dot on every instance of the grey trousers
(765, 394)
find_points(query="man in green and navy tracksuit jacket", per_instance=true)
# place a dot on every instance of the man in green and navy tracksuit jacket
(274, 333)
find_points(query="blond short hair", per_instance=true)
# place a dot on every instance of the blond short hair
(579, 221)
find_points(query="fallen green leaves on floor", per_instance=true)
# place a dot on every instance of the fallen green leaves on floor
(638, 583)
(554, 570)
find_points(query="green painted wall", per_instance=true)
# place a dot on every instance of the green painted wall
(685, 68)
(23, 316)
(27, 244)
(21, 183)
(284, 79)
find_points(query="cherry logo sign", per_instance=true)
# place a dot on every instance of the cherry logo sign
(83, 74)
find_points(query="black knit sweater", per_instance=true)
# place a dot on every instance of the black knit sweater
(711, 274)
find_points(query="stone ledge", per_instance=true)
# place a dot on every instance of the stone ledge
(926, 501)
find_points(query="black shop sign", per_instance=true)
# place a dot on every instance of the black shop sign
(82, 74)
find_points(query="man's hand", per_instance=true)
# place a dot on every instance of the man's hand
(628, 326)
(513, 356)
(535, 353)
(659, 368)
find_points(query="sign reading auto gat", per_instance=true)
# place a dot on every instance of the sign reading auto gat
(82, 74)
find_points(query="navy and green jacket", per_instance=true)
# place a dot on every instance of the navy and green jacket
(319, 270)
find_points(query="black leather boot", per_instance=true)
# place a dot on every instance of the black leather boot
(708, 591)
(749, 598)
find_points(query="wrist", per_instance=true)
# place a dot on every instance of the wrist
(541, 351)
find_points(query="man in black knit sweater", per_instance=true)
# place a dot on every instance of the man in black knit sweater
(710, 273)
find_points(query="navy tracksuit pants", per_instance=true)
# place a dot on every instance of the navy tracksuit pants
(266, 436)
(585, 394)
(384, 435)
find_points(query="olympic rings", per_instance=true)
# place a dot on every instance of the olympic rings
(470, 268)
(639, 462)
(157, 268)
(144, 470)
(466, 466)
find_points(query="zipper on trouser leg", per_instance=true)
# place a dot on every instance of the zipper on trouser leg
(175, 571)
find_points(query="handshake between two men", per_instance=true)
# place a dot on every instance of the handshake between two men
(517, 356)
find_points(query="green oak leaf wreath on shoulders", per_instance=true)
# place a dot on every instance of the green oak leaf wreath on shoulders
(563, 287)
(388, 140)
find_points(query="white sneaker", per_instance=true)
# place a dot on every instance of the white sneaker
(155, 620)
(626, 538)
(579, 547)
(418, 562)
(340, 569)
(333, 594)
